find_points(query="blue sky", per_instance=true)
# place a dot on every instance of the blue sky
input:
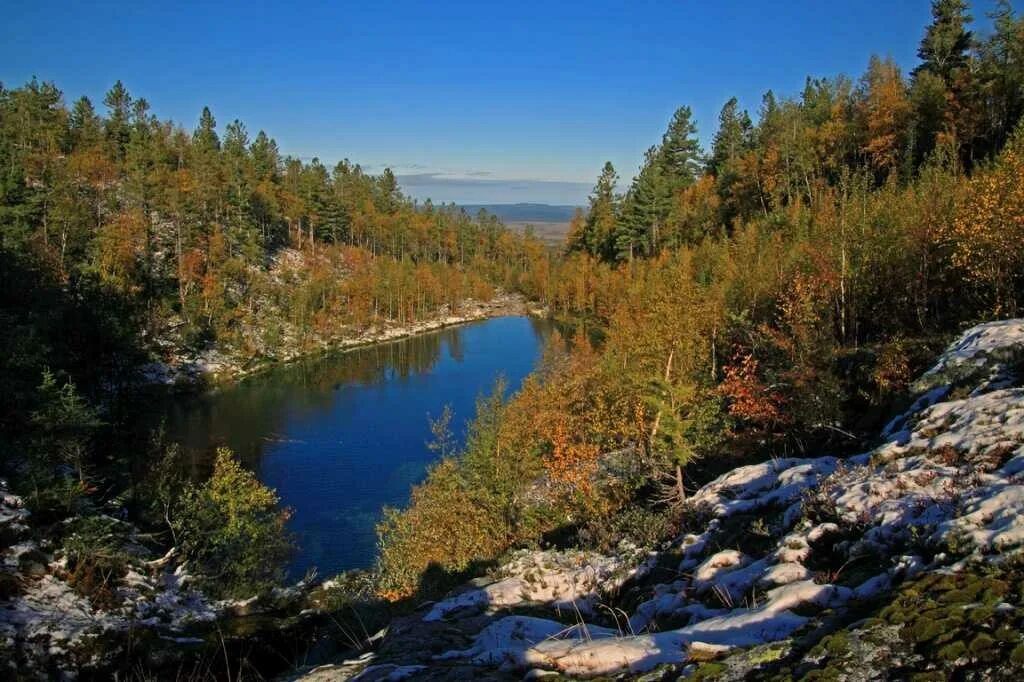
(472, 102)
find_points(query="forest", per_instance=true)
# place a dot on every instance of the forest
(771, 297)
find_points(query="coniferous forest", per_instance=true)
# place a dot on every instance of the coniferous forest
(769, 302)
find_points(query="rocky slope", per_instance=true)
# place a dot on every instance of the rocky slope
(904, 560)
(176, 363)
(185, 368)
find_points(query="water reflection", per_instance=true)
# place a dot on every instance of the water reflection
(342, 435)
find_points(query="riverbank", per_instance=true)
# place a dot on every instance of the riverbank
(213, 366)
(343, 434)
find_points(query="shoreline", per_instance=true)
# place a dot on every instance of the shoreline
(213, 369)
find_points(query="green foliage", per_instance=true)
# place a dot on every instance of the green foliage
(233, 531)
(65, 423)
(444, 528)
(643, 527)
(64, 426)
(95, 560)
(469, 509)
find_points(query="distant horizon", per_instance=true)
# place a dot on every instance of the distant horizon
(572, 85)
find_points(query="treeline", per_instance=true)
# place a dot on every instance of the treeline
(962, 101)
(773, 298)
(213, 232)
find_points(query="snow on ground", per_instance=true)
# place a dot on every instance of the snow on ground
(981, 355)
(48, 621)
(948, 482)
(981, 344)
(569, 580)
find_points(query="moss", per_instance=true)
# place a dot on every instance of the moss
(924, 629)
(708, 671)
(1005, 633)
(1017, 655)
(931, 676)
(824, 675)
(980, 615)
(838, 644)
(952, 652)
(767, 654)
(983, 646)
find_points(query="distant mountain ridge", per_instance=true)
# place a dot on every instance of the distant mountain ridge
(525, 212)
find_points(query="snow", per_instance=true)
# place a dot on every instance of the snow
(993, 522)
(717, 564)
(48, 620)
(977, 343)
(749, 488)
(523, 641)
(388, 673)
(506, 641)
(947, 481)
(574, 581)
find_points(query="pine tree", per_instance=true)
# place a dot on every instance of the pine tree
(139, 155)
(389, 193)
(732, 138)
(946, 41)
(265, 157)
(206, 164)
(240, 186)
(645, 210)
(937, 84)
(119, 103)
(205, 136)
(86, 126)
(602, 214)
(680, 152)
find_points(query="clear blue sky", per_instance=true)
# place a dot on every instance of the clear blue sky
(466, 101)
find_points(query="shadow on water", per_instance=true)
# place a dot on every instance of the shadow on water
(342, 435)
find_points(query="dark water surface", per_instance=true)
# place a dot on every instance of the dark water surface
(343, 435)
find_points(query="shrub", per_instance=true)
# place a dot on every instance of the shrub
(639, 525)
(95, 560)
(234, 531)
(443, 527)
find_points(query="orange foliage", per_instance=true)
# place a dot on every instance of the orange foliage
(749, 398)
(988, 231)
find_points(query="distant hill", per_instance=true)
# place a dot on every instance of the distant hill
(525, 213)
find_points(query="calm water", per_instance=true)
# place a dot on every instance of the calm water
(341, 436)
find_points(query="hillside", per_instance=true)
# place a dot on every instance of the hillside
(903, 558)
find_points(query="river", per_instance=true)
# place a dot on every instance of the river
(342, 435)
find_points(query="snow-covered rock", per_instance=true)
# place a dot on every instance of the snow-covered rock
(559, 579)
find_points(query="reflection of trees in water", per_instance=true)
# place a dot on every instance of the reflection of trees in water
(250, 416)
